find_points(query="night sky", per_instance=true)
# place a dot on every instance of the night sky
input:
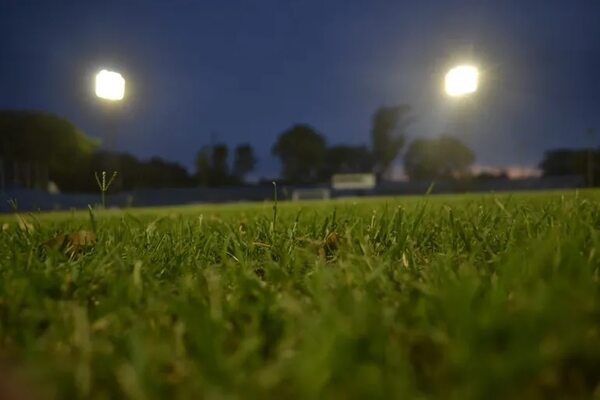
(243, 71)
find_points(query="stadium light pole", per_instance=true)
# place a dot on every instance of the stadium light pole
(110, 88)
(460, 84)
(461, 81)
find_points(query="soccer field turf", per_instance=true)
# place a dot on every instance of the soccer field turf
(467, 296)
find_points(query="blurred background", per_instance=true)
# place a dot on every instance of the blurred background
(214, 100)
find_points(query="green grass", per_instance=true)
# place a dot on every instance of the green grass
(474, 296)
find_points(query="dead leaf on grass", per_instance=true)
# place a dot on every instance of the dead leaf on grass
(72, 243)
(330, 245)
(332, 240)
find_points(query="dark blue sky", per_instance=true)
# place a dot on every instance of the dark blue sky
(246, 70)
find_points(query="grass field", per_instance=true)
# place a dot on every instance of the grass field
(459, 297)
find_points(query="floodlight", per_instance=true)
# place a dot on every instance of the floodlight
(110, 85)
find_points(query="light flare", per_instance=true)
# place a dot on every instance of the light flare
(110, 85)
(462, 80)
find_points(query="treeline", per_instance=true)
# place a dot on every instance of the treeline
(582, 162)
(213, 168)
(306, 157)
(37, 147)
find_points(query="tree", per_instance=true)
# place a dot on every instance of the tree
(42, 146)
(211, 165)
(443, 157)
(203, 170)
(301, 150)
(347, 159)
(154, 173)
(563, 162)
(244, 161)
(220, 170)
(388, 133)
(572, 162)
(135, 174)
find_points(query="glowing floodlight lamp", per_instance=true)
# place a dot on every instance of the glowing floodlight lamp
(462, 80)
(110, 85)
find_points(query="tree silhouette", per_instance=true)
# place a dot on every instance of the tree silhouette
(244, 161)
(301, 150)
(347, 159)
(39, 146)
(443, 157)
(572, 162)
(154, 173)
(203, 169)
(220, 170)
(388, 133)
(211, 166)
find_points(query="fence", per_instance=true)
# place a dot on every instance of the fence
(31, 200)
